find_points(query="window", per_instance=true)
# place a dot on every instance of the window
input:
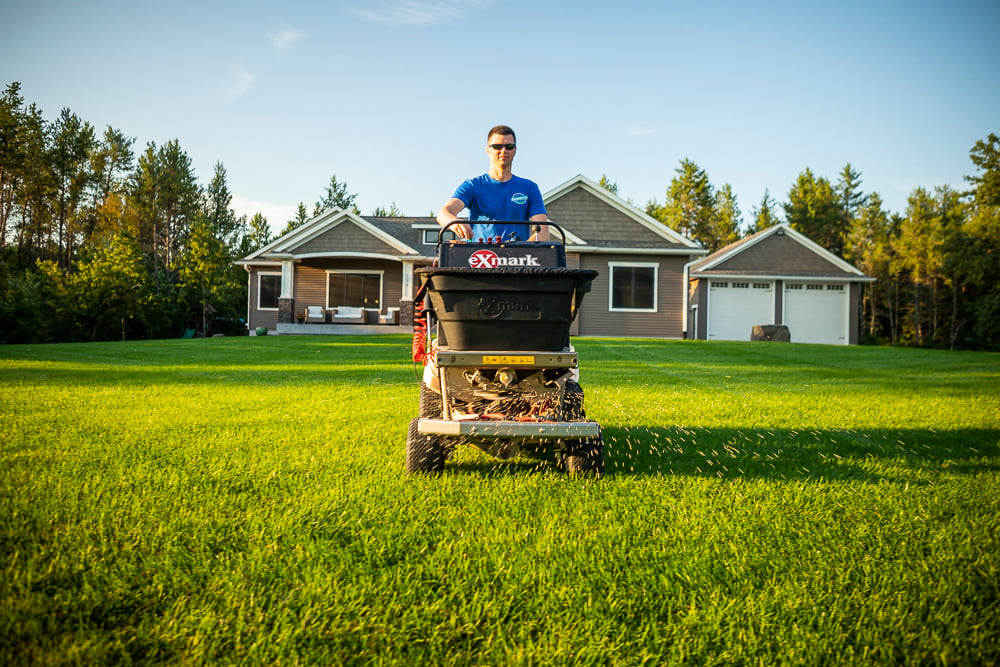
(741, 285)
(633, 286)
(794, 286)
(354, 289)
(268, 290)
(762, 285)
(835, 288)
(716, 283)
(814, 287)
(431, 236)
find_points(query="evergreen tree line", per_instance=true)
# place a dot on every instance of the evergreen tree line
(937, 263)
(98, 242)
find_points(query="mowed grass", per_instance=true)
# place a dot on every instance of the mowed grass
(243, 500)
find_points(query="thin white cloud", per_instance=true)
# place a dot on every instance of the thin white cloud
(285, 40)
(416, 12)
(641, 131)
(242, 81)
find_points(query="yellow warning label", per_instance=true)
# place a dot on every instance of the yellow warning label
(506, 360)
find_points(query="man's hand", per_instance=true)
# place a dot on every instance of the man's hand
(542, 235)
(449, 213)
(462, 230)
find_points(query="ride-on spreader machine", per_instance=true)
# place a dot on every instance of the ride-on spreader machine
(491, 324)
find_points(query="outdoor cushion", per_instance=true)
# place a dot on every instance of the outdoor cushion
(315, 313)
(349, 315)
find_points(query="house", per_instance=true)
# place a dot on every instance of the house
(338, 261)
(364, 266)
(653, 282)
(776, 276)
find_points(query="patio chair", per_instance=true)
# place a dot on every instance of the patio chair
(315, 314)
(391, 316)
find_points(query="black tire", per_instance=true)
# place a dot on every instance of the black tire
(430, 403)
(586, 457)
(573, 403)
(424, 453)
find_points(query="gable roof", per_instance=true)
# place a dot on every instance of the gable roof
(392, 236)
(776, 251)
(656, 235)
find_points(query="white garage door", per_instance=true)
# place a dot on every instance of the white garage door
(817, 313)
(735, 307)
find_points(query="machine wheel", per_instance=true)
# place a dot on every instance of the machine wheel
(573, 403)
(430, 403)
(586, 457)
(424, 453)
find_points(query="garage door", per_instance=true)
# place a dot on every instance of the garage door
(735, 307)
(817, 313)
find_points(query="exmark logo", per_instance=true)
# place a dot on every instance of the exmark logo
(519, 198)
(495, 307)
(487, 259)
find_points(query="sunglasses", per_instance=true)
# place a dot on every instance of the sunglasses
(497, 147)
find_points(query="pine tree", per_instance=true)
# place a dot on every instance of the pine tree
(71, 141)
(690, 204)
(727, 220)
(765, 214)
(167, 201)
(221, 218)
(12, 154)
(915, 247)
(814, 209)
(258, 236)
(111, 162)
(608, 185)
(336, 196)
(974, 253)
(869, 248)
(301, 217)
(391, 212)
(985, 154)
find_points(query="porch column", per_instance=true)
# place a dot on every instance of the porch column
(406, 301)
(286, 300)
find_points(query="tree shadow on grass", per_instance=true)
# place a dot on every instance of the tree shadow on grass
(905, 456)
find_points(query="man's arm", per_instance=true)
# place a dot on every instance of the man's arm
(449, 213)
(543, 230)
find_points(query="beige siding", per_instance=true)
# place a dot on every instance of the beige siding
(596, 318)
(260, 318)
(345, 237)
(779, 254)
(594, 221)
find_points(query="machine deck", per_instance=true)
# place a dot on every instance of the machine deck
(528, 430)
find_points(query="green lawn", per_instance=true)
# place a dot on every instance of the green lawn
(242, 500)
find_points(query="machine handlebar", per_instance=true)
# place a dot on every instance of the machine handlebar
(549, 223)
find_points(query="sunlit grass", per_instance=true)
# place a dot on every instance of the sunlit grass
(243, 500)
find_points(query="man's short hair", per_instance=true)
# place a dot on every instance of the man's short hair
(502, 130)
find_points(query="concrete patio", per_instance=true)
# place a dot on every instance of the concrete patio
(338, 329)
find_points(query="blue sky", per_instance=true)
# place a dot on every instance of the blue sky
(395, 96)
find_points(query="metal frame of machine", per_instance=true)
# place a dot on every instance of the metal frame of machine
(502, 374)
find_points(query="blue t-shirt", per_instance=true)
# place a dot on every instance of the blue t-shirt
(488, 199)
